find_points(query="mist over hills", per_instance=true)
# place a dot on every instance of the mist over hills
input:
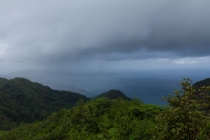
(150, 86)
(43, 76)
(51, 73)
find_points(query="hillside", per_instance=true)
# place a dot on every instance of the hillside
(205, 82)
(23, 101)
(100, 118)
(114, 94)
(186, 117)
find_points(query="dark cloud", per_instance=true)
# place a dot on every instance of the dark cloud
(50, 32)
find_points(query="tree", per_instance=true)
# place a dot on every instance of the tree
(187, 116)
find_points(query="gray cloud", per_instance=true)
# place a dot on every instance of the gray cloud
(50, 32)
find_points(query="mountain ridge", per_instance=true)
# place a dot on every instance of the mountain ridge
(23, 101)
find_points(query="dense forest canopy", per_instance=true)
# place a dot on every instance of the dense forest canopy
(101, 118)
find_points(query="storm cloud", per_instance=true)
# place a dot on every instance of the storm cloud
(72, 31)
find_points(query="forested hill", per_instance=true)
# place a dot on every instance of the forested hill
(23, 101)
(205, 82)
(97, 119)
(114, 94)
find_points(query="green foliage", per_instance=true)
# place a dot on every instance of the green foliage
(22, 101)
(187, 117)
(100, 118)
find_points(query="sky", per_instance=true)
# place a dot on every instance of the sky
(104, 35)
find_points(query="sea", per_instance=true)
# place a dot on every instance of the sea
(149, 86)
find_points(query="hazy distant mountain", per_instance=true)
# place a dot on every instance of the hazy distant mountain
(66, 87)
(42, 76)
(31, 73)
(45, 77)
(114, 94)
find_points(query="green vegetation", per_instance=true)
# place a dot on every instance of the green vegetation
(188, 116)
(114, 94)
(22, 101)
(106, 118)
(100, 118)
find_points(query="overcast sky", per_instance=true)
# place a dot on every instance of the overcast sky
(104, 34)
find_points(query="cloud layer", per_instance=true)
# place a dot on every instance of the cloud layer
(68, 31)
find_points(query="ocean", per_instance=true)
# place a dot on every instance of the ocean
(150, 87)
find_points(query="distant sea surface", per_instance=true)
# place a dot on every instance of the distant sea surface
(148, 86)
